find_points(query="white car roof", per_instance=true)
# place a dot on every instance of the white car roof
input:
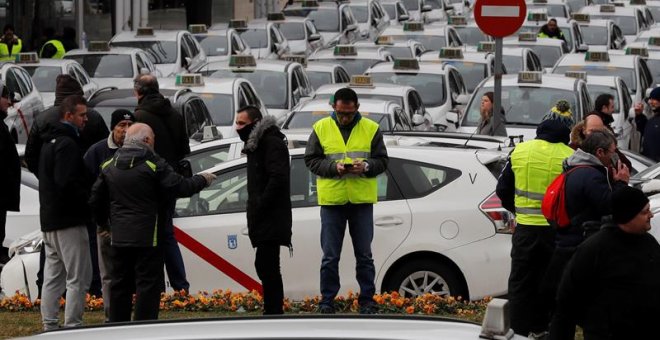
(211, 85)
(431, 30)
(602, 80)
(49, 62)
(513, 41)
(366, 105)
(364, 53)
(616, 60)
(596, 23)
(266, 65)
(159, 35)
(468, 56)
(424, 67)
(321, 66)
(561, 22)
(113, 50)
(378, 88)
(594, 10)
(554, 81)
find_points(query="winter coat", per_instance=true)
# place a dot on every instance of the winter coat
(168, 126)
(98, 153)
(269, 197)
(64, 181)
(95, 130)
(610, 288)
(651, 142)
(10, 172)
(588, 196)
(486, 127)
(133, 193)
(545, 33)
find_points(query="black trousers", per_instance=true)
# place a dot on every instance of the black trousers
(138, 269)
(531, 252)
(267, 264)
(3, 222)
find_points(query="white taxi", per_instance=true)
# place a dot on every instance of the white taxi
(117, 66)
(354, 59)
(650, 51)
(265, 39)
(25, 98)
(630, 20)
(527, 97)
(333, 20)
(370, 16)
(416, 9)
(547, 49)
(219, 44)
(321, 73)
(280, 84)
(600, 33)
(470, 33)
(222, 96)
(473, 66)
(44, 73)
(432, 37)
(516, 59)
(398, 49)
(396, 11)
(172, 52)
(301, 33)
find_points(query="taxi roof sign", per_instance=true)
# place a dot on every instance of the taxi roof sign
(654, 41)
(451, 53)
(597, 56)
(197, 28)
(301, 59)
(581, 17)
(638, 2)
(457, 20)
(275, 16)
(527, 36)
(607, 8)
(237, 24)
(310, 3)
(576, 74)
(27, 58)
(385, 40)
(144, 31)
(486, 46)
(98, 46)
(406, 64)
(242, 61)
(343, 50)
(640, 51)
(540, 1)
(189, 79)
(361, 81)
(413, 26)
(618, 4)
(530, 77)
(537, 16)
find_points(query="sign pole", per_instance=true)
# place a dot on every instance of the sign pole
(497, 95)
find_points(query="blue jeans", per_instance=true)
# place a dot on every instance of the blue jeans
(176, 269)
(360, 220)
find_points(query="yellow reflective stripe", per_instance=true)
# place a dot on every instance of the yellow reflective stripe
(335, 156)
(530, 195)
(151, 165)
(529, 211)
(155, 243)
(358, 154)
(105, 165)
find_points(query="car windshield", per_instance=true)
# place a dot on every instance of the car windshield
(255, 38)
(361, 13)
(597, 90)
(325, 19)
(305, 119)
(512, 64)
(655, 11)
(292, 30)
(471, 35)
(522, 105)
(44, 77)
(318, 78)
(473, 73)
(548, 54)
(391, 10)
(271, 85)
(160, 52)
(354, 66)
(431, 42)
(213, 45)
(395, 99)
(411, 5)
(627, 24)
(553, 10)
(105, 65)
(431, 87)
(221, 107)
(594, 35)
(627, 74)
(399, 52)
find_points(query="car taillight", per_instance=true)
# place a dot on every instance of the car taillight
(503, 220)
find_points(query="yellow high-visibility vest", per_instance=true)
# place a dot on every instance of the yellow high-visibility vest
(58, 45)
(6, 55)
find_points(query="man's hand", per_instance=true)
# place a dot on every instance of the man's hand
(209, 177)
(104, 234)
(639, 108)
(340, 168)
(621, 173)
(358, 168)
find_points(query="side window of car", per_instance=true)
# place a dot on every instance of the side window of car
(250, 96)
(227, 194)
(208, 158)
(25, 81)
(586, 99)
(242, 98)
(296, 90)
(416, 179)
(413, 103)
(646, 74)
(13, 82)
(235, 45)
(82, 75)
(192, 125)
(341, 76)
(202, 115)
(192, 45)
(345, 18)
(535, 62)
(273, 38)
(139, 63)
(625, 94)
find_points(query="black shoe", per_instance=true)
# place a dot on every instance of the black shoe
(326, 309)
(369, 309)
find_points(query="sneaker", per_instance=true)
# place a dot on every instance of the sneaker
(369, 309)
(326, 309)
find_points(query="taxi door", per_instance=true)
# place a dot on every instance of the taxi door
(26, 102)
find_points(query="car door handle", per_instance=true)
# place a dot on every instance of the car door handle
(388, 221)
(244, 231)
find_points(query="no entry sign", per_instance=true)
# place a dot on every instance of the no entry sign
(500, 18)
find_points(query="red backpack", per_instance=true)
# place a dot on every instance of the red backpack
(553, 205)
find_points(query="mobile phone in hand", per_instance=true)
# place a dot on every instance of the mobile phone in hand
(348, 166)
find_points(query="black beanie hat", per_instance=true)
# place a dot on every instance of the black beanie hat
(119, 115)
(627, 202)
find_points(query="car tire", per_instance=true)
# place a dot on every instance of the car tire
(419, 277)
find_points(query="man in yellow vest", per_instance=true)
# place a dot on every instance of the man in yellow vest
(10, 44)
(53, 47)
(532, 166)
(346, 151)
(551, 30)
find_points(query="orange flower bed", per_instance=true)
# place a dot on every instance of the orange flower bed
(227, 301)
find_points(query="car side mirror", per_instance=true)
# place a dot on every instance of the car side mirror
(403, 17)
(452, 117)
(16, 98)
(462, 99)
(582, 48)
(314, 37)
(351, 27)
(187, 61)
(426, 8)
(417, 119)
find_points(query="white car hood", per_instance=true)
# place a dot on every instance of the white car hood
(120, 83)
(297, 46)
(227, 131)
(528, 133)
(167, 70)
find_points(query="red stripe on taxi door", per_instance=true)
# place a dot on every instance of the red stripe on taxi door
(216, 261)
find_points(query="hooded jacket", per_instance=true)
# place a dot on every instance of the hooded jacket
(269, 198)
(588, 196)
(651, 141)
(133, 193)
(168, 126)
(64, 181)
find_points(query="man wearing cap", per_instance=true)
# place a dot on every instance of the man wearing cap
(98, 153)
(610, 286)
(651, 141)
(532, 166)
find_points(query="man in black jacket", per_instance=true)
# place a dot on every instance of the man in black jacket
(610, 286)
(129, 200)
(269, 200)
(63, 193)
(10, 174)
(651, 141)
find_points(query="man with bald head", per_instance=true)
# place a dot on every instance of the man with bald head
(591, 123)
(129, 200)
(171, 144)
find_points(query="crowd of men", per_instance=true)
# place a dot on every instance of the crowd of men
(52, 45)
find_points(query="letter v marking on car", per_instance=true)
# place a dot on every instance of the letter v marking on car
(216, 261)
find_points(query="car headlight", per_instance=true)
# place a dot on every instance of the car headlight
(27, 244)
